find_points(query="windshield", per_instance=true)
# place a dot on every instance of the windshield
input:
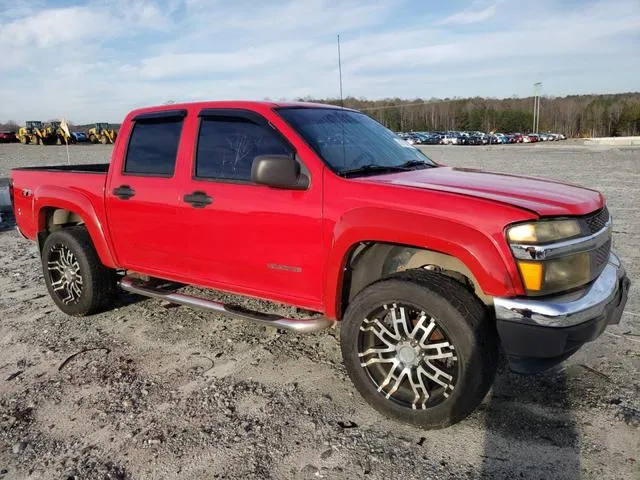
(348, 140)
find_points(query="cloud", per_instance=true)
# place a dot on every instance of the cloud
(44, 28)
(467, 17)
(311, 14)
(243, 60)
(49, 28)
(95, 61)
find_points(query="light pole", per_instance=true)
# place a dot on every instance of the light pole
(536, 106)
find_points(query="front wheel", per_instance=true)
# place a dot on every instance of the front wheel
(76, 279)
(419, 348)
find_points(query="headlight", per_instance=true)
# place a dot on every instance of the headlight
(541, 278)
(543, 232)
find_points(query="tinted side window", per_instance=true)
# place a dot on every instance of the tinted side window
(228, 145)
(153, 147)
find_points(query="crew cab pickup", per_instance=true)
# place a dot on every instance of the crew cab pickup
(432, 272)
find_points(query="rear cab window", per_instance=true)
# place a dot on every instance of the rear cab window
(153, 144)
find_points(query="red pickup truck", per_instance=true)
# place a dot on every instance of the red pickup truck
(432, 271)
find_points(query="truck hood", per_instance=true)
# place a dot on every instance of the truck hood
(544, 197)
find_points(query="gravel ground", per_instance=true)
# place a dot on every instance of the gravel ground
(161, 392)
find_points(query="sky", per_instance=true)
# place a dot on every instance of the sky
(96, 60)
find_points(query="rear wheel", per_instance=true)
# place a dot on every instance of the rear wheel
(419, 348)
(76, 279)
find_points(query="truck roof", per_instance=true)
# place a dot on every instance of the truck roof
(248, 104)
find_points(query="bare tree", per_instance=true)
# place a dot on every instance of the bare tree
(573, 115)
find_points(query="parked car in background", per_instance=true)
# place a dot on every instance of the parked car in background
(407, 138)
(475, 139)
(8, 136)
(449, 139)
(431, 139)
(463, 138)
(483, 136)
(418, 138)
(533, 138)
(469, 138)
(79, 137)
(498, 138)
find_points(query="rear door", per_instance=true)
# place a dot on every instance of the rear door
(142, 197)
(245, 237)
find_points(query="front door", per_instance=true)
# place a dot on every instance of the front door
(245, 237)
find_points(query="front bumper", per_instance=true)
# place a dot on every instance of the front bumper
(536, 334)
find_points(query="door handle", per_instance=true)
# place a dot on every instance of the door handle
(125, 192)
(198, 199)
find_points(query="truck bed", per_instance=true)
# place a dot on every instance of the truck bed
(58, 186)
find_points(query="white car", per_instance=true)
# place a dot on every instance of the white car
(449, 140)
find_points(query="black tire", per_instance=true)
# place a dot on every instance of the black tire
(458, 316)
(97, 285)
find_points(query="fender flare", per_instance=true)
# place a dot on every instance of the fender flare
(50, 196)
(487, 259)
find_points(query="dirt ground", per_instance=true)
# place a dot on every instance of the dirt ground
(151, 391)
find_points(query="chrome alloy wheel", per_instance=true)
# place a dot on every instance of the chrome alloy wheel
(408, 356)
(64, 272)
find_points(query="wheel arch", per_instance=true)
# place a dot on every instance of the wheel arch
(476, 253)
(58, 208)
(368, 262)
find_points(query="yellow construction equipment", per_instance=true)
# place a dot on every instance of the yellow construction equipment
(57, 134)
(101, 133)
(33, 132)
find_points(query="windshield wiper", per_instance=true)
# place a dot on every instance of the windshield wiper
(376, 168)
(415, 163)
(372, 168)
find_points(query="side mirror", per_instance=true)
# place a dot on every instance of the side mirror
(278, 171)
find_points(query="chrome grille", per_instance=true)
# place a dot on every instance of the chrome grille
(596, 221)
(599, 258)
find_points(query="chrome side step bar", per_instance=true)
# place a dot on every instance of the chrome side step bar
(149, 289)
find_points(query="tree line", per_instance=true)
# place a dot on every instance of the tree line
(573, 115)
(608, 115)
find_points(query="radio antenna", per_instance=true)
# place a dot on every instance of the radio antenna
(344, 149)
(340, 72)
